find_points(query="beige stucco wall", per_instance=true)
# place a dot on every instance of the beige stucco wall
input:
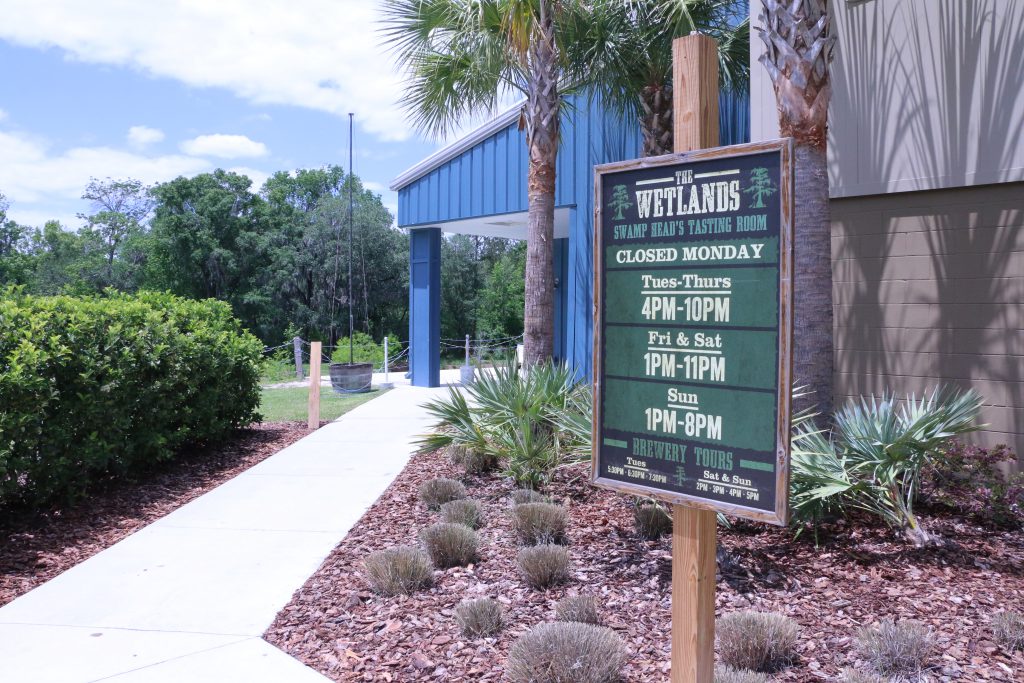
(926, 94)
(929, 289)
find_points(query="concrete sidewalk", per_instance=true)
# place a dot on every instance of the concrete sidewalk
(188, 597)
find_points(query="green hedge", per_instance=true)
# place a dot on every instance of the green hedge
(97, 386)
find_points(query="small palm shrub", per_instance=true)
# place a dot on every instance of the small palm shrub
(873, 458)
(521, 496)
(896, 648)
(540, 523)
(529, 450)
(651, 520)
(399, 570)
(758, 641)
(479, 618)
(727, 674)
(436, 492)
(534, 421)
(450, 545)
(581, 608)
(465, 511)
(566, 652)
(544, 565)
(1008, 630)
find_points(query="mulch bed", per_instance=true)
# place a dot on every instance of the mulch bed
(860, 575)
(37, 546)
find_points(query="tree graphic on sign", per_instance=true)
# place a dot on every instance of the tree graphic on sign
(620, 201)
(761, 186)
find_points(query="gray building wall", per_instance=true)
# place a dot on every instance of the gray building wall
(928, 289)
(926, 166)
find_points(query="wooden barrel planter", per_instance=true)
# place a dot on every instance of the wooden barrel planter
(351, 378)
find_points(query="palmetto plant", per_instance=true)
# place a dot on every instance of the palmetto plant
(798, 38)
(534, 421)
(462, 58)
(632, 58)
(873, 457)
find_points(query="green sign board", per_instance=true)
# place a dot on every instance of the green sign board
(693, 328)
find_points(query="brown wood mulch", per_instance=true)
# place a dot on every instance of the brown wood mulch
(860, 575)
(37, 546)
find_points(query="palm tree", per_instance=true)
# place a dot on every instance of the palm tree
(799, 40)
(632, 66)
(463, 57)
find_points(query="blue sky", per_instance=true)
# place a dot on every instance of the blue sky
(151, 91)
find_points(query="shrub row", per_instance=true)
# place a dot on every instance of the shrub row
(96, 386)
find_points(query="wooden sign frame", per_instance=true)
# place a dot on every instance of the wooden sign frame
(780, 514)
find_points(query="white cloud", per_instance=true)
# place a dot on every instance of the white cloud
(319, 54)
(31, 172)
(142, 136)
(224, 146)
(44, 183)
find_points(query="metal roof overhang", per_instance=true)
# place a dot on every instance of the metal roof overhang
(466, 142)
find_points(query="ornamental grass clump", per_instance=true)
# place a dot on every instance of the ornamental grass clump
(651, 520)
(465, 511)
(758, 641)
(896, 648)
(473, 460)
(566, 652)
(479, 618)
(450, 545)
(537, 523)
(727, 674)
(857, 676)
(436, 492)
(1008, 630)
(523, 496)
(578, 608)
(399, 570)
(544, 565)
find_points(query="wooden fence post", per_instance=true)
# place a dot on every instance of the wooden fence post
(314, 384)
(695, 126)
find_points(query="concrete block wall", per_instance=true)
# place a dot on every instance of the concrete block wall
(929, 289)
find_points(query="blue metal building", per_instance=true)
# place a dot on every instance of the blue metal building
(477, 186)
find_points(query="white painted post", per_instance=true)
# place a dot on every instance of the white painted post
(297, 345)
(385, 359)
(467, 349)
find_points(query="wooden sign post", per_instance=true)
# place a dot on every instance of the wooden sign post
(693, 338)
(314, 384)
(694, 126)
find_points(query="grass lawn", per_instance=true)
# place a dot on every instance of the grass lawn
(280, 405)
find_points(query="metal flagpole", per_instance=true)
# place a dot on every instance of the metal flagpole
(351, 180)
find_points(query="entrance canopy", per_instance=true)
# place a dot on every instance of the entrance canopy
(477, 186)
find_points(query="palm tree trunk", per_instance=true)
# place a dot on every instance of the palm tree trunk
(542, 142)
(799, 49)
(656, 119)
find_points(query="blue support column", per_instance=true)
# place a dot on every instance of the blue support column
(425, 306)
(580, 293)
(561, 261)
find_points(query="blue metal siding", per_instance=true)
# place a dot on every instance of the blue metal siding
(490, 178)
